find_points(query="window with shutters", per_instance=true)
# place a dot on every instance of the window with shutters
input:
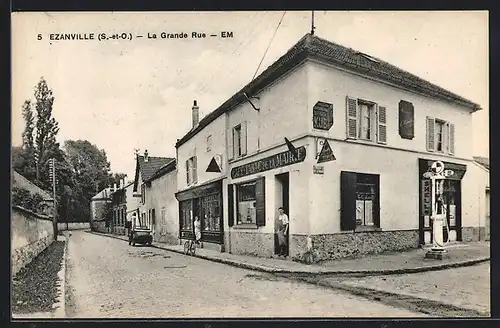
(191, 171)
(366, 120)
(250, 203)
(440, 136)
(360, 201)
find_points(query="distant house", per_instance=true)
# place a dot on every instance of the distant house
(98, 209)
(146, 167)
(161, 204)
(481, 173)
(18, 181)
(124, 203)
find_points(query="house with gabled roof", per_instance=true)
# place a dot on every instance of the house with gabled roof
(341, 140)
(148, 170)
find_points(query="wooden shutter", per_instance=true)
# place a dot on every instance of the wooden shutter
(376, 201)
(430, 133)
(243, 140)
(347, 200)
(260, 197)
(187, 172)
(153, 216)
(230, 145)
(451, 138)
(351, 118)
(406, 120)
(382, 125)
(195, 170)
(230, 205)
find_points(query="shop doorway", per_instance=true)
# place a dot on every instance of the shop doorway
(282, 183)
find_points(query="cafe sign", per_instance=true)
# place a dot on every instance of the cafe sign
(269, 163)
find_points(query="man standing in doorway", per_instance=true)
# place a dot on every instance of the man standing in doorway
(282, 232)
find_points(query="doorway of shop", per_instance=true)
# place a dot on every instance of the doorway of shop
(282, 182)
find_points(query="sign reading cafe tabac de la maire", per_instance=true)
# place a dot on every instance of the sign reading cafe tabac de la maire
(269, 163)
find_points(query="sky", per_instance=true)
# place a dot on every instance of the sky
(123, 95)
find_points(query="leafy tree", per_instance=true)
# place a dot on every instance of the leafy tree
(46, 129)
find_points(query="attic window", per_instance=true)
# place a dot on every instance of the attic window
(370, 58)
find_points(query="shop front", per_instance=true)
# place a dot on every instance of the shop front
(255, 192)
(451, 189)
(204, 202)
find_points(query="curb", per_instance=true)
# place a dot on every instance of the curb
(261, 268)
(60, 304)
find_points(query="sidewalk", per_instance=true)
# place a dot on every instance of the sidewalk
(460, 255)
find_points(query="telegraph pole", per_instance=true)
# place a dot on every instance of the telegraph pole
(52, 168)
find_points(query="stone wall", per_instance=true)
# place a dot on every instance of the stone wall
(31, 234)
(345, 245)
(73, 226)
(251, 243)
(470, 234)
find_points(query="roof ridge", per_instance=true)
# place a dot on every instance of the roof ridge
(382, 61)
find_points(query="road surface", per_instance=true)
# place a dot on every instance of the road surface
(107, 278)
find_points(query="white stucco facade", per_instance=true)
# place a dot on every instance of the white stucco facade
(311, 192)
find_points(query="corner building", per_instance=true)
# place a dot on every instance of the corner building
(384, 127)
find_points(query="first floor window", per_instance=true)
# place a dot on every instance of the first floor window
(246, 203)
(191, 170)
(367, 113)
(211, 211)
(359, 200)
(186, 215)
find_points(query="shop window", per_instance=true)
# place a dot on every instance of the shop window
(211, 209)
(186, 215)
(191, 170)
(250, 203)
(440, 136)
(246, 203)
(359, 200)
(366, 120)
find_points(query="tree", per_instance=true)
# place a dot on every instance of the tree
(46, 129)
(92, 173)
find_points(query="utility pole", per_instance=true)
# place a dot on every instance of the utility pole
(312, 23)
(52, 168)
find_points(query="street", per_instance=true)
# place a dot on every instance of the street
(107, 278)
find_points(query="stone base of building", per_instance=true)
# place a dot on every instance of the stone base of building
(167, 239)
(470, 234)
(347, 245)
(249, 243)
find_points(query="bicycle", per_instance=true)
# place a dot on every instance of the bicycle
(190, 247)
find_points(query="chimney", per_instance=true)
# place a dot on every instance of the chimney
(196, 114)
(146, 156)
